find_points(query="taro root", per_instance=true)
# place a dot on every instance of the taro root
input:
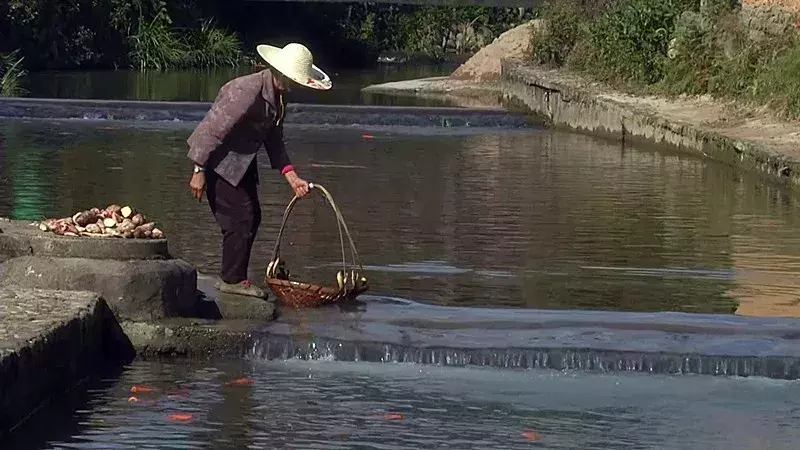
(93, 228)
(113, 220)
(126, 225)
(142, 231)
(149, 226)
(84, 218)
(137, 219)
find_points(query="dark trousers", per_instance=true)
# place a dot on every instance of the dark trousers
(238, 213)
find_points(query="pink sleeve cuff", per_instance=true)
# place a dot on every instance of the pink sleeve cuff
(287, 169)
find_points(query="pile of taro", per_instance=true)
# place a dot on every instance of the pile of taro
(114, 221)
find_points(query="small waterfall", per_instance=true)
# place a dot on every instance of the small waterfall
(281, 347)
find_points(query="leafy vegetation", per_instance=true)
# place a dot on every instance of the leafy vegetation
(675, 47)
(173, 34)
(11, 75)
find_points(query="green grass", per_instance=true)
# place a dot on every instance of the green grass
(156, 46)
(12, 74)
(671, 47)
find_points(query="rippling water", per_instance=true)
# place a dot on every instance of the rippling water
(533, 219)
(343, 405)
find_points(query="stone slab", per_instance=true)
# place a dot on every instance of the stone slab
(134, 290)
(191, 338)
(134, 111)
(19, 238)
(217, 305)
(49, 342)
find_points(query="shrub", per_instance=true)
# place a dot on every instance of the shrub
(629, 42)
(566, 23)
(212, 47)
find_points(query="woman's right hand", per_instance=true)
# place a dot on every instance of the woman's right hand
(198, 185)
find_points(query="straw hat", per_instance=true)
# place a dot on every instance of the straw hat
(295, 61)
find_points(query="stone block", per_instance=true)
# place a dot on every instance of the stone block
(49, 342)
(216, 305)
(194, 339)
(134, 289)
(20, 238)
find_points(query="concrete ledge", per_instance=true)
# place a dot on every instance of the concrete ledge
(49, 342)
(134, 290)
(567, 101)
(297, 113)
(195, 339)
(18, 238)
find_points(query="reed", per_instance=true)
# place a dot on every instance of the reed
(12, 75)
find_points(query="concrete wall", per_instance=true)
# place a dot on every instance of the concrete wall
(49, 342)
(569, 103)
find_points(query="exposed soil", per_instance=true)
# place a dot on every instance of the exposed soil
(788, 5)
(485, 64)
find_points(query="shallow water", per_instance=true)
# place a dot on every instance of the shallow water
(391, 406)
(202, 85)
(531, 218)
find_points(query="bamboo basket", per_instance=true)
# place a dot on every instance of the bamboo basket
(295, 294)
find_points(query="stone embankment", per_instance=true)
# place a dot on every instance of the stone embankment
(71, 306)
(49, 342)
(500, 75)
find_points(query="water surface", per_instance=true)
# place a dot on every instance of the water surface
(530, 219)
(380, 406)
(202, 85)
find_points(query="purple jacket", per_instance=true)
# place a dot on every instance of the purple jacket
(246, 114)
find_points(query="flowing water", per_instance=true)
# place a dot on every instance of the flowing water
(528, 218)
(293, 404)
(496, 220)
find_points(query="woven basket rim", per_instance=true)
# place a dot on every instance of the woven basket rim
(302, 285)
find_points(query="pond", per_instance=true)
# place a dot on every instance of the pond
(332, 405)
(526, 218)
(194, 85)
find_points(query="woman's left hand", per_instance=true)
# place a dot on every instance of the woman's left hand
(299, 185)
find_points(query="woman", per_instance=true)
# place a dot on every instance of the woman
(246, 115)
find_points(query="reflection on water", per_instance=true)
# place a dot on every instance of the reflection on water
(343, 405)
(196, 85)
(534, 219)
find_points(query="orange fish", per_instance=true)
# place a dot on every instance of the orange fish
(180, 417)
(240, 382)
(368, 136)
(134, 399)
(142, 389)
(531, 435)
(393, 416)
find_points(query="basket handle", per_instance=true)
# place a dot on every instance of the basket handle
(339, 220)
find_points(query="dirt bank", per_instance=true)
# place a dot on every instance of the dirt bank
(787, 5)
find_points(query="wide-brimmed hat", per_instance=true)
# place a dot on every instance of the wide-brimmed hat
(296, 62)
